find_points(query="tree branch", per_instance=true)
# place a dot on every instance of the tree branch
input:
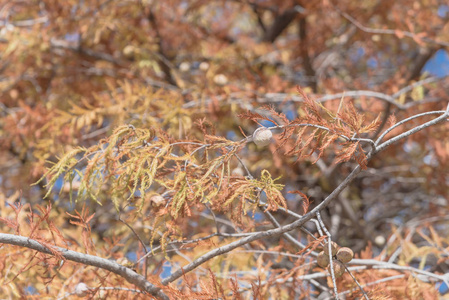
(86, 259)
(304, 53)
(269, 233)
(163, 60)
(280, 230)
(411, 131)
(280, 23)
(398, 33)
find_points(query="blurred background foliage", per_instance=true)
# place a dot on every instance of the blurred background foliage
(73, 71)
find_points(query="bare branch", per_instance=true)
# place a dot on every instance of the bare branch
(269, 233)
(412, 131)
(391, 31)
(86, 259)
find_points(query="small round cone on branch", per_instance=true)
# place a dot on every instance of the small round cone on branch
(262, 136)
(204, 66)
(323, 259)
(237, 172)
(334, 248)
(81, 289)
(339, 268)
(157, 200)
(129, 51)
(345, 255)
(184, 66)
(220, 79)
(379, 240)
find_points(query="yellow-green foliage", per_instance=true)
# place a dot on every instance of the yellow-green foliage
(272, 190)
(127, 165)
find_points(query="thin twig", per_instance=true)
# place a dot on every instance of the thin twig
(329, 245)
(358, 284)
(371, 283)
(394, 32)
(141, 242)
(405, 121)
(268, 215)
(413, 130)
